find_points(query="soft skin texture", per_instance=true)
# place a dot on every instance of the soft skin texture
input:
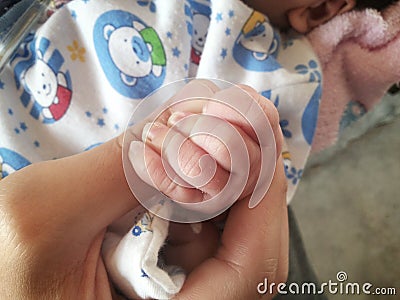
(195, 147)
(54, 216)
(301, 15)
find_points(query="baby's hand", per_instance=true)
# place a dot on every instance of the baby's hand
(192, 132)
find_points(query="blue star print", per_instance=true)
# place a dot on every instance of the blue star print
(116, 126)
(176, 52)
(169, 34)
(224, 53)
(88, 114)
(23, 126)
(1, 85)
(16, 130)
(10, 112)
(231, 13)
(188, 13)
(105, 110)
(37, 144)
(73, 14)
(228, 31)
(219, 17)
(85, 1)
(100, 122)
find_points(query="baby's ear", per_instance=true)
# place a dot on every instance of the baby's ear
(304, 19)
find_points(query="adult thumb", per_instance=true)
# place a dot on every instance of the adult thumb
(86, 192)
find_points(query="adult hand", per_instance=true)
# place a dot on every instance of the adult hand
(54, 216)
(253, 247)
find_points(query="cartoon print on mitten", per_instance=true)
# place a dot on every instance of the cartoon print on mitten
(257, 45)
(131, 53)
(46, 89)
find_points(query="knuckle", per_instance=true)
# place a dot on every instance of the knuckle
(248, 89)
(154, 171)
(188, 159)
(217, 149)
(167, 186)
(170, 188)
(270, 267)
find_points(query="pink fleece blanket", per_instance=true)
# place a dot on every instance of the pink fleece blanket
(360, 56)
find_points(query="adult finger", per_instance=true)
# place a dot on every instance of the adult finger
(182, 239)
(266, 228)
(253, 245)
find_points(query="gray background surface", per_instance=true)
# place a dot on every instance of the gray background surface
(347, 203)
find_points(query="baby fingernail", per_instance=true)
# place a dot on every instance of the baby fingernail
(150, 131)
(145, 132)
(176, 117)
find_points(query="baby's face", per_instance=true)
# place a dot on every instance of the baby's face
(301, 15)
(277, 10)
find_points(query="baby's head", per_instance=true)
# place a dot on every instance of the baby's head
(304, 15)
